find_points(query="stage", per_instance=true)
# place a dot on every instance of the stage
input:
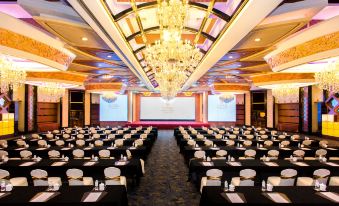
(167, 124)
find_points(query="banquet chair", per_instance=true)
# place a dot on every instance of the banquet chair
(321, 175)
(82, 132)
(35, 136)
(21, 143)
(218, 136)
(138, 143)
(147, 131)
(221, 132)
(323, 144)
(232, 136)
(247, 133)
(40, 178)
(273, 154)
(54, 154)
(42, 143)
(281, 137)
(66, 136)
(80, 136)
(133, 131)
(56, 131)
(262, 132)
(108, 131)
(96, 136)
(104, 154)
(127, 136)
(334, 181)
(3, 153)
(209, 131)
(247, 143)
(98, 143)
(208, 143)
(4, 176)
(112, 177)
(3, 144)
(268, 143)
(319, 153)
(76, 178)
(78, 154)
(111, 136)
(274, 132)
(49, 136)
(191, 143)
(25, 154)
(295, 137)
(236, 129)
(236, 132)
(119, 142)
(250, 136)
(94, 131)
(186, 136)
(285, 143)
(249, 154)
(287, 178)
(199, 155)
(200, 136)
(60, 143)
(307, 143)
(220, 154)
(212, 178)
(299, 154)
(246, 178)
(264, 137)
(80, 142)
(144, 136)
(68, 131)
(230, 142)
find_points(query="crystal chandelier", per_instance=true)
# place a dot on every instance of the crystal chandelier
(172, 14)
(328, 79)
(50, 92)
(11, 77)
(226, 97)
(109, 97)
(286, 94)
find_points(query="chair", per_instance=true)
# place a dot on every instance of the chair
(21, 143)
(209, 131)
(35, 136)
(323, 144)
(281, 137)
(108, 131)
(40, 178)
(208, 143)
(111, 136)
(334, 181)
(66, 136)
(56, 131)
(247, 143)
(232, 136)
(273, 154)
(221, 132)
(199, 154)
(128, 154)
(82, 132)
(287, 178)
(3, 153)
(321, 175)
(112, 176)
(218, 136)
(321, 153)
(80, 136)
(68, 131)
(49, 136)
(143, 136)
(295, 137)
(104, 154)
(250, 137)
(249, 154)
(80, 142)
(76, 178)
(96, 136)
(235, 132)
(230, 142)
(4, 176)
(247, 133)
(246, 178)
(54, 154)
(98, 143)
(78, 154)
(42, 143)
(200, 136)
(60, 143)
(119, 142)
(307, 143)
(25, 154)
(299, 154)
(264, 137)
(220, 154)
(262, 132)
(285, 143)
(127, 136)
(268, 143)
(138, 143)
(213, 178)
(191, 143)
(3, 143)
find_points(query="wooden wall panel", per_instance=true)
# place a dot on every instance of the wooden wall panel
(95, 114)
(240, 119)
(288, 117)
(47, 116)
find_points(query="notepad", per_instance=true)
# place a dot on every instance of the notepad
(262, 148)
(87, 148)
(42, 148)
(330, 148)
(27, 164)
(66, 148)
(89, 163)
(234, 198)
(120, 163)
(241, 148)
(207, 164)
(285, 148)
(332, 164)
(92, 197)
(277, 197)
(42, 197)
(110, 148)
(331, 196)
(302, 164)
(197, 148)
(271, 164)
(215, 148)
(132, 148)
(58, 163)
(20, 148)
(305, 148)
(236, 164)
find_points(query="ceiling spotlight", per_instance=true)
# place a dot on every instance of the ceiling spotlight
(231, 57)
(84, 39)
(109, 56)
(257, 39)
(106, 76)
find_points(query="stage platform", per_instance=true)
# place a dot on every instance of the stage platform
(167, 124)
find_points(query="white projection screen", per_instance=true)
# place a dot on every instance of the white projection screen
(116, 111)
(155, 108)
(219, 111)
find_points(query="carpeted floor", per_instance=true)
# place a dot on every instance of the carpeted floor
(165, 182)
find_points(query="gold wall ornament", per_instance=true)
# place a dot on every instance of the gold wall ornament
(188, 94)
(11, 76)
(23, 43)
(286, 94)
(328, 79)
(226, 97)
(147, 94)
(109, 97)
(50, 92)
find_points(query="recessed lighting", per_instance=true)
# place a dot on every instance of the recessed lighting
(231, 57)
(257, 39)
(84, 39)
(109, 56)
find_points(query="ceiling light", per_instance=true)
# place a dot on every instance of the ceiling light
(109, 56)
(328, 79)
(106, 76)
(231, 57)
(109, 97)
(84, 39)
(257, 39)
(11, 77)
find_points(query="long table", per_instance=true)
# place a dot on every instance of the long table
(214, 196)
(113, 196)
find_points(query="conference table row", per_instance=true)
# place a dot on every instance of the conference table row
(131, 168)
(198, 168)
(230, 130)
(215, 196)
(114, 195)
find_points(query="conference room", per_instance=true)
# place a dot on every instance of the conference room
(172, 102)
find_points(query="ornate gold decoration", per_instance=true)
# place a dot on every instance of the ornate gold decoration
(103, 86)
(32, 46)
(276, 77)
(62, 76)
(147, 94)
(328, 79)
(231, 87)
(11, 77)
(286, 93)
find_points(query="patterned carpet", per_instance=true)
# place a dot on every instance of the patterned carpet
(165, 180)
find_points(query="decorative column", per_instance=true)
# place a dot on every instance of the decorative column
(87, 108)
(205, 107)
(247, 108)
(269, 109)
(64, 122)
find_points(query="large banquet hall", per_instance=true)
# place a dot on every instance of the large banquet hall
(169, 102)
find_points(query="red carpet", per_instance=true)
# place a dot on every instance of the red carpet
(167, 124)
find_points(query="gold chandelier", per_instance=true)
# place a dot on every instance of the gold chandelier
(328, 79)
(286, 93)
(109, 97)
(50, 92)
(11, 77)
(226, 97)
